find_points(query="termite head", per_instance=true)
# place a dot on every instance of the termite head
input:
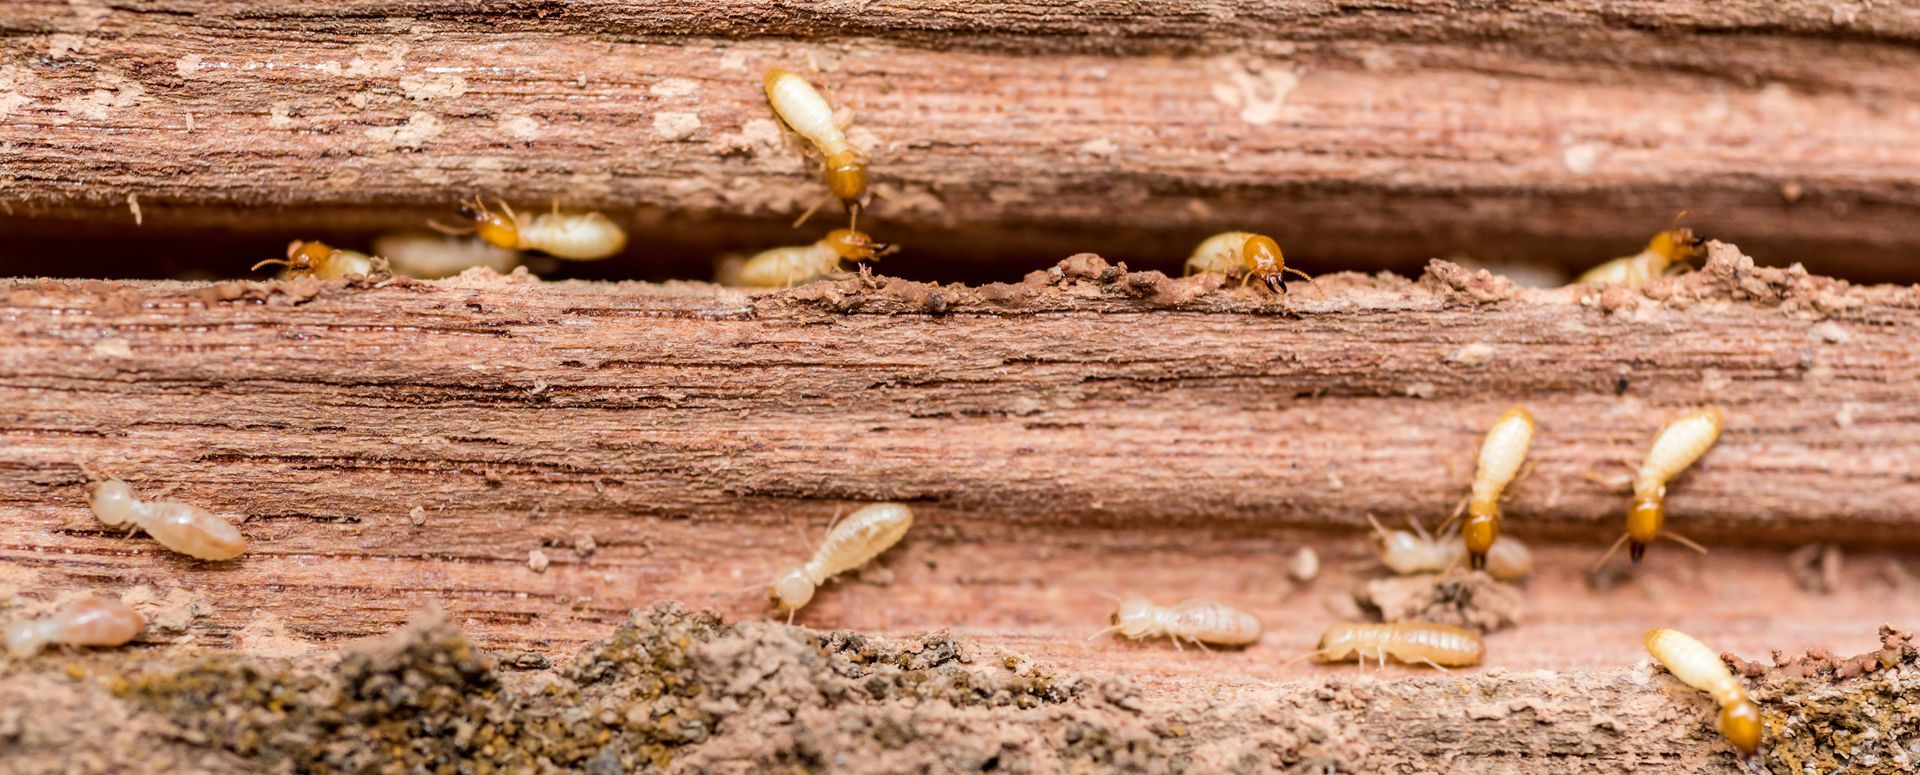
(1134, 619)
(1740, 722)
(498, 229)
(1643, 522)
(1479, 532)
(847, 176)
(111, 500)
(1263, 259)
(1678, 246)
(1399, 550)
(853, 245)
(792, 589)
(1337, 643)
(302, 256)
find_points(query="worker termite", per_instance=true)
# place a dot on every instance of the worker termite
(1501, 456)
(850, 543)
(90, 621)
(318, 259)
(572, 236)
(788, 266)
(1407, 553)
(1198, 621)
(1247, 254)
(801, 107)
(189, 530)
(1678, 446)
(429, 256)
(1675, 247)
(1436, 645)
(1699, 667)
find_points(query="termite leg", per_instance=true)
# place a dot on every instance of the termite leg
(1176, 644)
(505, 209)
(1435, 665)
(1197, 642)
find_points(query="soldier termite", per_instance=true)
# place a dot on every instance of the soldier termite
(788, 266)
(1436, 645)
(1678, 446)
(850, 543)
(1198, 621)
(1699, 667)
(801, 107)
(1247, 254)
(1501, 456)
(90, 621)
(572, 236)
(1675, 247)
(318, 259)
(1407, 553)
(189, 530)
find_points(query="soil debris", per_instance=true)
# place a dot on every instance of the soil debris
(1472, 600)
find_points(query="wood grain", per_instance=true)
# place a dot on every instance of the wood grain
(700, 436)
(1553, 132)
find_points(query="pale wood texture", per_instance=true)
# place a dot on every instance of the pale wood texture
(1085, 423)
(1557, 132)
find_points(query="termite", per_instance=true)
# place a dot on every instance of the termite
(1247, 254)
(850, 543)
(1676, 247)
(788, 266)
(1699, 667)
(430, 256)
(801, 107)
(90, 621)
(572, 236)
(1436, 645)
(314, 258)
(1197, 621)
(1501, 456)
(1679, 444)
(1409, 552)
(189, 530)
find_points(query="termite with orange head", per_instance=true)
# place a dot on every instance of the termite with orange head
(788, 266)
(320, 260)
(1678, 446)
(1247, 254)
(1409, 552)
(572, 236)
(1198, 621)
(189, 530)
(1501, 456)
(851, 543)
(1436, 645)
(1676, 247)
(1699, 667)
(90, 621)
(801, 107)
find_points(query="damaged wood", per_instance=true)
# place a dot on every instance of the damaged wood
(410, 441)
(1547, 131)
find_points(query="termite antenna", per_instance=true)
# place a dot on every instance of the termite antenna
(280, 261)
(1610, 552)
(798, 222)
(1296, 660)
(1377, 527)
(1111, 596)
(451, 231)
(1104, 631)
(1310, 281)
(1688, 542)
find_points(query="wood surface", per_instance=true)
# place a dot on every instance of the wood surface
(1557, 133)
(703, 437)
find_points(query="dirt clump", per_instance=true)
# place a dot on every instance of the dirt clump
(1471, 600)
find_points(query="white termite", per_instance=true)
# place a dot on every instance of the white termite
(187, 529)
(850, 543)
(1198, 621)
(89, 621)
